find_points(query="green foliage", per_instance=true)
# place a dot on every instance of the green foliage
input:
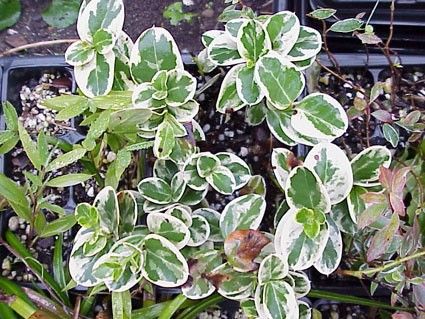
(176, 15)
(61, 13)
(10, 11)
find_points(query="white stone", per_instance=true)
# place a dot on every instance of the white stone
(13, 223)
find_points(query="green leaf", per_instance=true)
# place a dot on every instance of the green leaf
(58, 226)
(10, 11)
(332, 254)
(391, 134)
(128, 203)
(164, 265)
(207, 163)
(273, 267)
(301, 283)
(30, 147)
(223, 50)
(103, 41)
(283, 29)
(121, 305)
(208, 36)
(311, 221)
(9, 144)
(6, 136)
(233, 284)
(365, 165)
(61, 13)
(305, 190)
(199, 231)
(155, 190)
(86, 215)
(127, 121)
(15, 195)
(355, 202)
(68, 180)
(322, 13)
(181, 87)
(153, 51)
(371, 214)
(279, 300)
(252, 41)
(10, 115)
(100, 14)
(308, 45)
(140, 146)
(341, 216)
(240, 170)
(66, 159)
(106, 203)
(283, 160)
(346, 25)
(278, 122)
(320, 116)
(255, 114)
(97, 128)
(333, 168)
(43, 147)
(64, 102)
(164, 140)
(228, 97)
(168, 227)
(248, 90)
(175, 14)
(279, 79)
(245, 212)
(117, 168)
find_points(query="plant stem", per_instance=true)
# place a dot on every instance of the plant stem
(37, 45)
(173, 307)
(353, 300)
(368, 272)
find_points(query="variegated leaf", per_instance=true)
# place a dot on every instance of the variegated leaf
(213, 219)
(164, 265)
(245, 212)
(192, 177)
(208, 36)
(143, 97)
(279, 300)
(155, 190)
(222, 180)
(79, 53)
(207, 163)
(168, 227)
(164, 140)
(333, 168)
(103, 41)
(308, 45)
(273, 267)
(178, 186)
(223, 51)
(204, 63)
(128, 208)
(329, 261)
(305, 190)
(341, 216)
(304, 310)
(154, 50)
(355, 202)
(255, 114)
(232, 27)
(100, 14)
(291, 241)
(283, 29)
(237, 166)
(181, 212)
(106, 203)
(97, 76)
(277, 122)
(199, 231)
(320, 116)
(181, 87)
(283, 161)
(186, 112)
(228, 97)
(248, 90)
(252, 41)
(122, 50)
(279, 79)
(301, 283)
(202, 263)
(366, 165)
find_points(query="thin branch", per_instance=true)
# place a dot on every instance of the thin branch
(37, 45)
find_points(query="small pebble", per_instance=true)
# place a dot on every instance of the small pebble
(13, 223)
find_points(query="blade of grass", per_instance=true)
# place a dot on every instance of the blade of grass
(58, 268)
(200, 306)
(154, 311)
(19, 250)
(175, 304)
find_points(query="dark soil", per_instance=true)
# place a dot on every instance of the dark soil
(140, 15)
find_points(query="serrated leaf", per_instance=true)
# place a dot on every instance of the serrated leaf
(245, 212)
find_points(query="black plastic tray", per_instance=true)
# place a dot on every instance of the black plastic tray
(408, 22)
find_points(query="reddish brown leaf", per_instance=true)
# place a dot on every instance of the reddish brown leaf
(382, 239)
(383, 116)
(217, 279)
(385, 177)
(402, 315)
(373, 198)
(243, 246)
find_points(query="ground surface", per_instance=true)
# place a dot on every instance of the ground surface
(140, 15)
